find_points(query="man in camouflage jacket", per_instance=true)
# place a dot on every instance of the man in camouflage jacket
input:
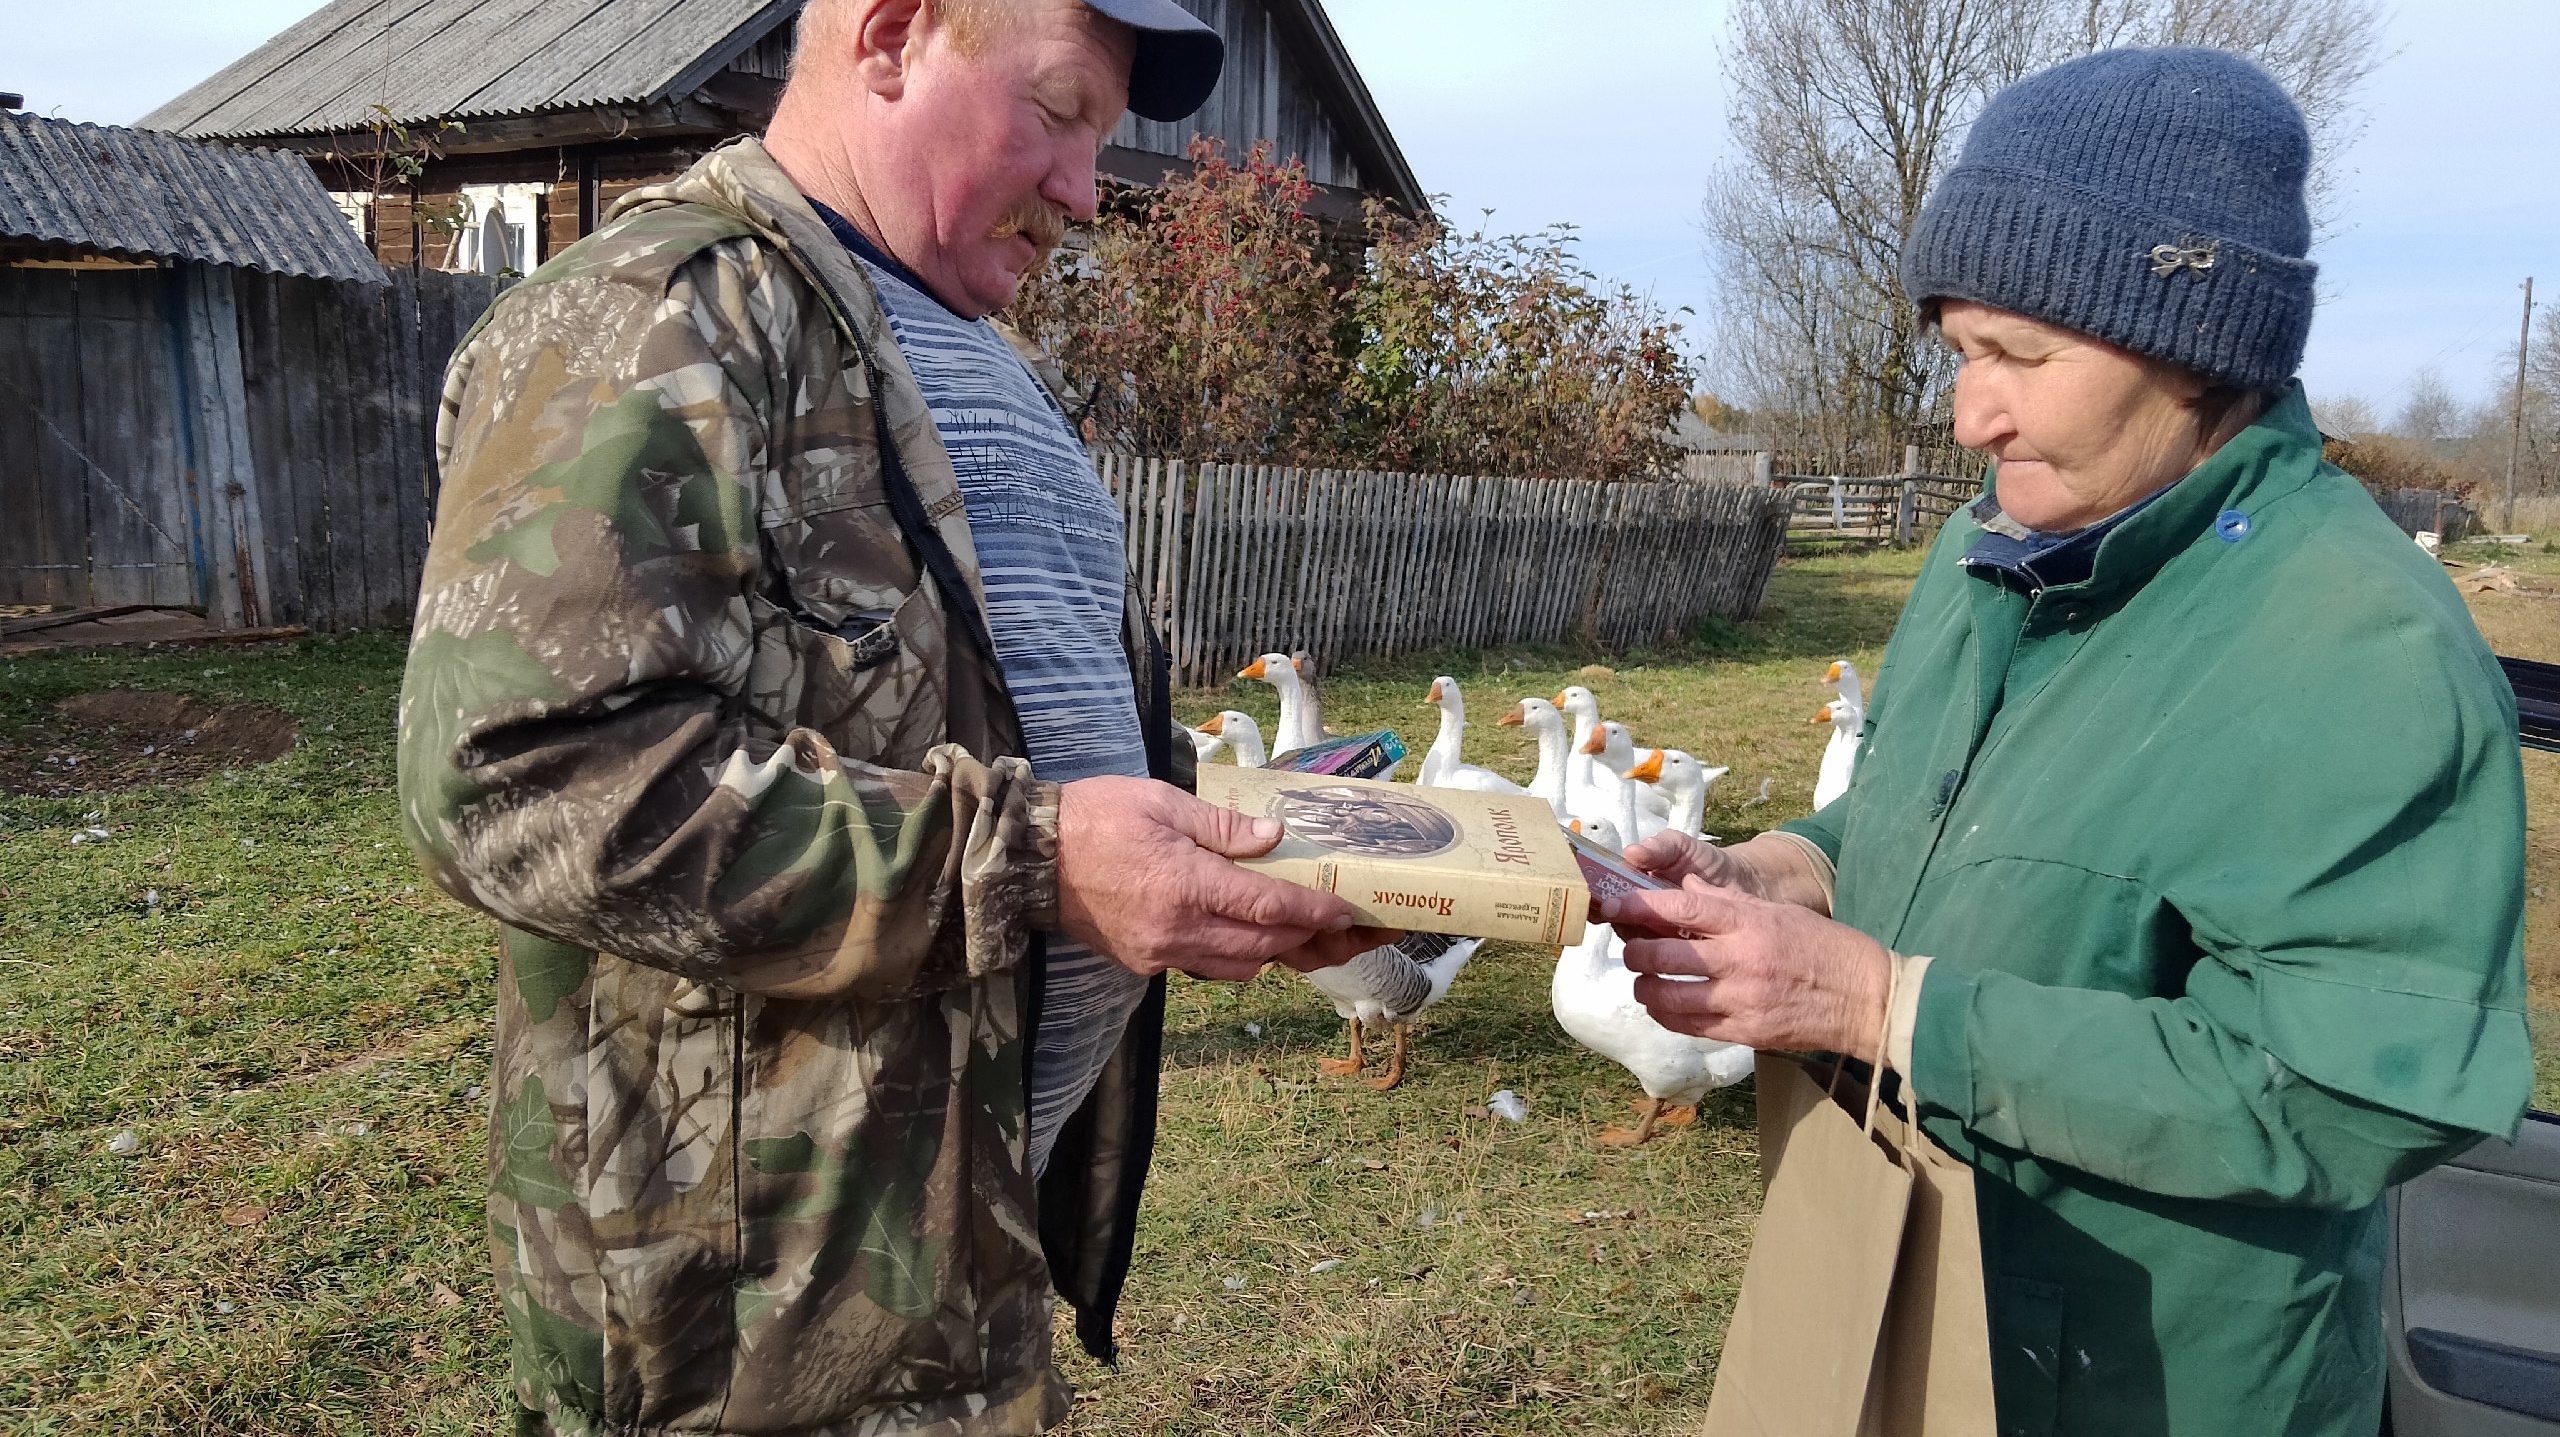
(703, 707)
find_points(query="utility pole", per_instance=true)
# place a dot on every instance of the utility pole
(2515, 437)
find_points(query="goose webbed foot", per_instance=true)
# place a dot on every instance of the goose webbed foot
(1638, 1136)
(1345, 1067)
(1685, 1115)
(1386, 1082)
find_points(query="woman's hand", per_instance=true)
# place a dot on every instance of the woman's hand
(1673, 856)
(1777, 975)
(1773, 866)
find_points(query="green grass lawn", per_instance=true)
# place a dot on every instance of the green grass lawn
(248, 975)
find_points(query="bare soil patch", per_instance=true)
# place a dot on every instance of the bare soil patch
(116, 739)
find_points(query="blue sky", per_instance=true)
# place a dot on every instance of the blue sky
(1609, 114)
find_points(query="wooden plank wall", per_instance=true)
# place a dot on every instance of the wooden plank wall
(91, 473)
(1263, 93)
(105, 435)
(1237, 560)
(342, 390)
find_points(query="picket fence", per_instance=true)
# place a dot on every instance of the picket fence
(1237, 560)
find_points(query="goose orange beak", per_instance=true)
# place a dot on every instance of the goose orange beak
(1519, 715)
(1575, 825)
(1435, 692)
(1822, 714)
(1216, 726)
(1559, 699)
(1648, 769)
(1598, 743)
(1832, 675)
(1256, 669)
(1298, 662)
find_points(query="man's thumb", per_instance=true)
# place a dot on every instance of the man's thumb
(1230, 834)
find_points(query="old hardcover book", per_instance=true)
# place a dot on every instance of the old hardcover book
(1437, 860)
(1367, 755)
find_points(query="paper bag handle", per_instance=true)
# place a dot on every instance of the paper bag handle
(1884, 1039)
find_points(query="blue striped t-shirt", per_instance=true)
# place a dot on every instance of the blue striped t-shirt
(1051, 557)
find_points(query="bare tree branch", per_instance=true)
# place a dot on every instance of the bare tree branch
(1845, 113)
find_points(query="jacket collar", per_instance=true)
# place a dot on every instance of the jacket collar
(2217, 504)
(2032, 560)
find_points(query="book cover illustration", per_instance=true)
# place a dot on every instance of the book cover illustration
(1435, 860)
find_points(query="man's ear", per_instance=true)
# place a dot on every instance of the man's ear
(884, 39)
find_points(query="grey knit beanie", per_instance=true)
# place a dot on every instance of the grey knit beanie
(2152, 198)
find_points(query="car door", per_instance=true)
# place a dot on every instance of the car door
(2471, 1300)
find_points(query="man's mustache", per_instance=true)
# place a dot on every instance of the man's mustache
(1036, 220)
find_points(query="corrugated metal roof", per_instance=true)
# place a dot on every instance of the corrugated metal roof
(134, 193)
(428, 60)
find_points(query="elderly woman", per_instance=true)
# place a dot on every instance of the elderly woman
(2188, 774)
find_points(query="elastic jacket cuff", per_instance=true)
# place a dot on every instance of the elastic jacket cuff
(1040, 882)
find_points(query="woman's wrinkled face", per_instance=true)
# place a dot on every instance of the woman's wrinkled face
(2081, 429)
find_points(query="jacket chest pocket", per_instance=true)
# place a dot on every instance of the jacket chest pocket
(851, 644)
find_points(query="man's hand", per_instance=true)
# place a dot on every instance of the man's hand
(1144, 876)
(1777, 975)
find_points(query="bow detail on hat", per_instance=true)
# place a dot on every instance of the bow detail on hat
(2168, 259)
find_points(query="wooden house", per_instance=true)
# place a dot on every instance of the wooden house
(212, 398)
(441, 119)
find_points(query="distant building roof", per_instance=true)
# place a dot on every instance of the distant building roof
(538, 73)
(425, 60)
(1695, 435)
(139, 195)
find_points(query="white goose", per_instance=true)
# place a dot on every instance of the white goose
(1840, 755)
(1612, 750)
(1590, 788)
(1301, 711)
(1204, 744)
(1584, 797)
(1594, 997)
(1239, 734)
(1442, 764)
(1843, 675)
(1390, 987)
(1684, 781)
(1555, 750)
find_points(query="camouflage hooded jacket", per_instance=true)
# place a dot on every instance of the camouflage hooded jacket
(702, 708)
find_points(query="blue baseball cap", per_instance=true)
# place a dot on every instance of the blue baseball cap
(1179, 57)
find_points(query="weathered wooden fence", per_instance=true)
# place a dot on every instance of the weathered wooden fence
(2435, 511)
(256, 446)
(1237, 560)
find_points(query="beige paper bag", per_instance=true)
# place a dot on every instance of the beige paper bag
(1935, 1373)
(1862, 1309)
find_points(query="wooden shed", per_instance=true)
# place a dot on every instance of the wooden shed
(211, 395)
(564, 104)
